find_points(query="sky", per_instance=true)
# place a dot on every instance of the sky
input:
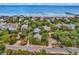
(39, 1)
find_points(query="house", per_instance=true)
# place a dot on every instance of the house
(71, 26)
(66, 19)
(15, 17)
(3, 25)
(52, 19)
(63, 24)
(21, 16)
(33, 18)
(20, 19)
(47, 28)
(24, 27)
(1, 20)
(58, 18)
(41, 18)
(58, 25)
(37, 30)
(8, 26)
(26, 21)
(38, 36)
(5, 17)
(12, 26)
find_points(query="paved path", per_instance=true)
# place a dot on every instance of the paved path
(48, 49)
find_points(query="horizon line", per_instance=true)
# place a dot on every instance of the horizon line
(69, 4)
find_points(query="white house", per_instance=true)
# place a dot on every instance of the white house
(37, 30)
(58, 25)
(72, 26)
(41, 19)
(24, 27)
(38, 36)
(53, 19)
(8, 26)
(1, 20)
(26, 21)
(20, 19)
(33, 18)
(3, 25)
(66, 19)
(47, 28)
(12, 26)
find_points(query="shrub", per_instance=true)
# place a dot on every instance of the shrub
(17, 52)
(41, 52)
(12, 40)
(67, 42)
(4, 35)
(2, 48)
(8, 51)
(23, 42)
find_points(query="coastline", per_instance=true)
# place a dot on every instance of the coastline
(37, 14)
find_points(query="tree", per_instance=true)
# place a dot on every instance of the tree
(67, 41)
(53, 27)
(4, 35)
(11, 40)
(74, 33)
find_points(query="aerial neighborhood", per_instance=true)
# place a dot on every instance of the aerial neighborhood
(35, 32)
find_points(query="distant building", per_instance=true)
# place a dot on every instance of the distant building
(21, 17)
(59, 18)
(41, 18)
(66, 19)
(52, 19)
(72, 26)
(33, 18)
(5, 17)
(15, 17)
(37, 30)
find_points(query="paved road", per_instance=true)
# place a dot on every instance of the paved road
(48, 49)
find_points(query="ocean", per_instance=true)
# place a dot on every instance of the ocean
(37, 9)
